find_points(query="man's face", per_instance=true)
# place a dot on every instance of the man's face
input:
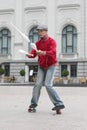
(42, 33)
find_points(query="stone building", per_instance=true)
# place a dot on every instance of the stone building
(67, 24)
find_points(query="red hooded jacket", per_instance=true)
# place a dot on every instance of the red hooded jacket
(49, 46)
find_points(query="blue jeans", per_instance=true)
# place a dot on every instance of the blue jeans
(45, 76)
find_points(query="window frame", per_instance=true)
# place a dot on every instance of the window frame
(32, 33)
(65, 33)
(75, 72)
(68, 67)
(5, 48)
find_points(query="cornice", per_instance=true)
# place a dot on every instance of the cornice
(29, 9)
(6, 11)
(68, 6)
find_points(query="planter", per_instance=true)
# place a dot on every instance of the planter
(65, 81)
(22, 73)
(65, 73)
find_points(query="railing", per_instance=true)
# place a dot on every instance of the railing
(7, 79)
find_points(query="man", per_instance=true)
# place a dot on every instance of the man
(46, 52)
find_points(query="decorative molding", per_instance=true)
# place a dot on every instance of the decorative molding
(67, 21)
(33, 9)
(5, 58)
(68, 6)
(6, 24)
(18, 43)
(6, 11)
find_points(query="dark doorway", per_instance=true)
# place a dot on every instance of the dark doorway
(33, 72)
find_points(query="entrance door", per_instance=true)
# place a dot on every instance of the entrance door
(33, 72)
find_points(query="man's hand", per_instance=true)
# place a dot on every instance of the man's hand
(28, 54)
(39, 52)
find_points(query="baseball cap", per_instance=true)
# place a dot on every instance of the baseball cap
(42, 27)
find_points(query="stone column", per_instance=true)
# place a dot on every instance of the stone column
(26, 73)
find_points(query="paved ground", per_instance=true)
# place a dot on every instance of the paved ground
(14, 102)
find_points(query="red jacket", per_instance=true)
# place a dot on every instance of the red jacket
(49, 46)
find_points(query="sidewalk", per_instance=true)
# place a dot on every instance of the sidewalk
(14, 102)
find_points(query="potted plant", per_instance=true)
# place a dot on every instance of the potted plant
(65, 73)
(22, 72)
(2, 71)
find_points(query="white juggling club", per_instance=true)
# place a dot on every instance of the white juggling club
(24, 52)
(21, 33)
(33, 46)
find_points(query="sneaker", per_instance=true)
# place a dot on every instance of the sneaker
(58, 107)
(31, 110)
(32, 106)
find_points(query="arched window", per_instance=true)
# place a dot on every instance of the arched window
(33, 36)
(69, 39)
(5, 41)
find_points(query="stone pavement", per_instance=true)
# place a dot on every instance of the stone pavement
(14, 101)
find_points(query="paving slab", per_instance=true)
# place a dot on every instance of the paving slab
(14, 102)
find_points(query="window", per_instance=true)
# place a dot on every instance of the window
(7, 70)
(62, 68)
(33, 36)
(5, 41)
(72, 67)
(69, 39)
(73, 70)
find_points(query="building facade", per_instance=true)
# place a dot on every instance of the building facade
(67, 24)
